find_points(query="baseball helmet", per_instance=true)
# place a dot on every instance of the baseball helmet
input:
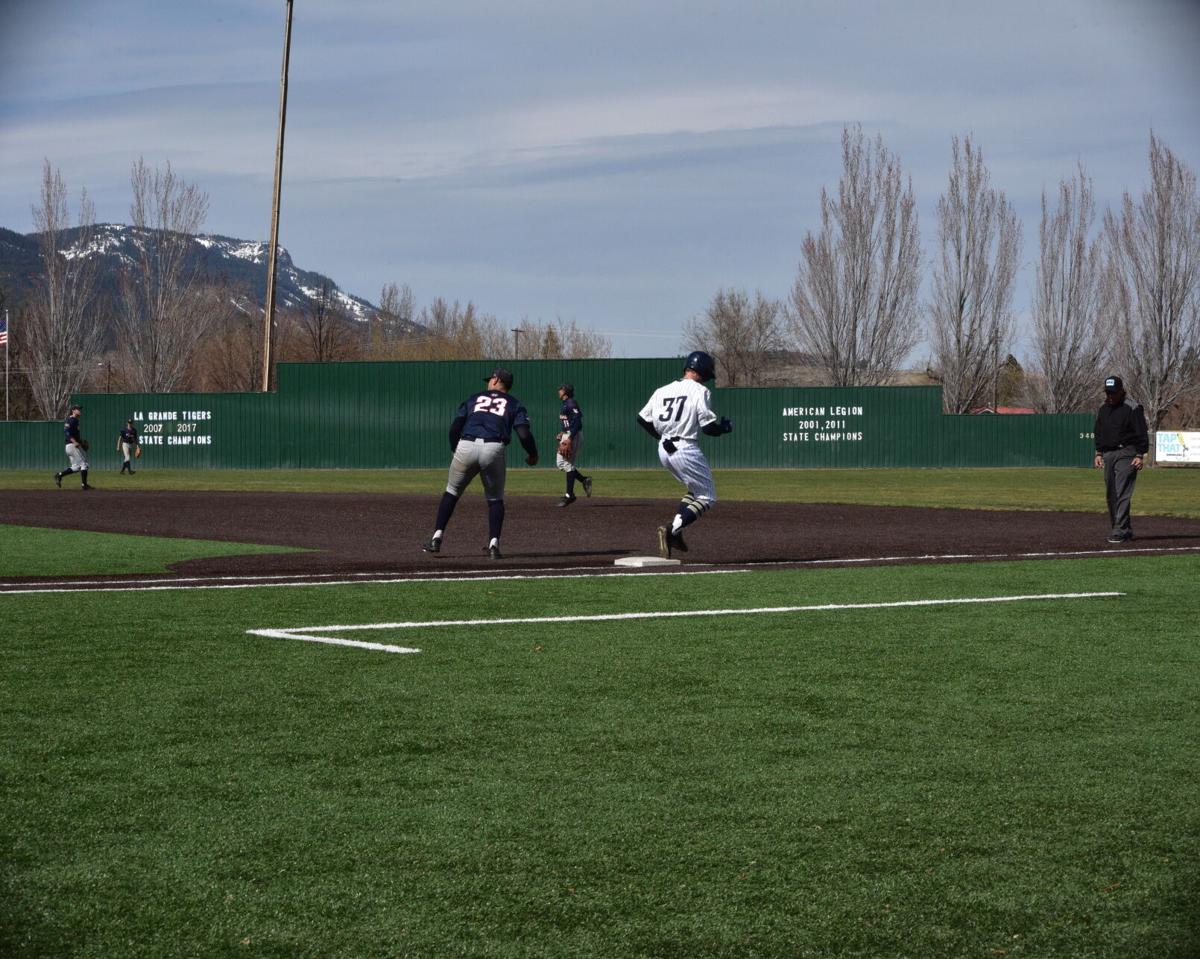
(568, 389)
(702, 363)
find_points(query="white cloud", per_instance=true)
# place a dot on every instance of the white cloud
(589, 161)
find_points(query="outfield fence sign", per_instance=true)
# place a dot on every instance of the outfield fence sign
(1176, 446)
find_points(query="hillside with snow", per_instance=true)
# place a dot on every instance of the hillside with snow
(241, 265)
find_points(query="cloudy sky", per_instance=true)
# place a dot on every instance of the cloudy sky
(612, 164)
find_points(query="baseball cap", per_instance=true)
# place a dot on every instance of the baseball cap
(503, 375)
(76, 406)
(1113, 384)
(567, 388)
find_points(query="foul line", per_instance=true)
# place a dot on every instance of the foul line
(938, 557)
(265, 581)
(137, 585)
(308, 634)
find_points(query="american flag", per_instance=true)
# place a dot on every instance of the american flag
(3, 331)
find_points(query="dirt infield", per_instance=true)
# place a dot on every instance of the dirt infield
(355, 533)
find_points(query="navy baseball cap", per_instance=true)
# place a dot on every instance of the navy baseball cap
(567, 388)
(501, 374)
(1114, 385)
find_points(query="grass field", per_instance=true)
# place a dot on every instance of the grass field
(58, 552)
(1162, 492)
(984, 779)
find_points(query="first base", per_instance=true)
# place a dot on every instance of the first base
(646, 561)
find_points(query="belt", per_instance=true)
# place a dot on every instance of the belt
(480, 439)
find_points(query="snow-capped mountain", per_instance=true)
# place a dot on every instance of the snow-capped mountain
(240, 264)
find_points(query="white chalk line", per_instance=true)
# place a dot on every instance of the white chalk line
(265, 581)
(942, 557)
(310, 634)
(135, 586)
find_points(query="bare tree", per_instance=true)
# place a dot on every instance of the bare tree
(324, 329)
(62, 332)
(562, 340)
(1070, 347)
(1153, 268)
(231, 359)
(1185, 414)
(854, 303)
(161, 321)
(742, 335)
(971, 312)
(393, 321)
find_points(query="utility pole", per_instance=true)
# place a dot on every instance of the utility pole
(6, 335)
(517, 343)
(269, 309)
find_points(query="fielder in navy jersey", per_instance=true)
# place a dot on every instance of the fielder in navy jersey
(570, 441)
(128, 446)
(76, 450)
(482, 428)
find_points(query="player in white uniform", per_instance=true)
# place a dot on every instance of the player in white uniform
(676, 415)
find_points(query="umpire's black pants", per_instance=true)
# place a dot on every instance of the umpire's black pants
(1119, 477)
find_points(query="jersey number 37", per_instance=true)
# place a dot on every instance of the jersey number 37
(673, 408)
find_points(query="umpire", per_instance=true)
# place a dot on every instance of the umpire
(1121, 445)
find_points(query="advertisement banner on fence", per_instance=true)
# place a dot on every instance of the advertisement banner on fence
(1176, 447)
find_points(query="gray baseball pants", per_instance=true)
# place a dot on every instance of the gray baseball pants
(475, 457)
(1119, 477)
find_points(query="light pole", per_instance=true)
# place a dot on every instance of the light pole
(517, 343)
(269, 310)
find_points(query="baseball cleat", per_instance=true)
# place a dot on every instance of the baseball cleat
(664, 543)
(86, 486)
(587, 486)
(677, 542)
(433, 546)
(58, 480)
(494, 552)
(566, 501)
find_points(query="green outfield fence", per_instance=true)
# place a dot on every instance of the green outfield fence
(396, 415)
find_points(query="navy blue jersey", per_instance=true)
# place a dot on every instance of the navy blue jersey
(129, 435)
(491, 415)
(570, 417)
(71, 429)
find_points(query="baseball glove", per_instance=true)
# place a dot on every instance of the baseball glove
(564, 448)
(137, 453)
(86, 446)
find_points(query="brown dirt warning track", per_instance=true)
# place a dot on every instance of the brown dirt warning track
(382, 534)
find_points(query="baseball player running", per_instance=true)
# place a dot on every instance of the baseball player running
(482, 428)
(570, 439)
(76, 449)
(676, 415)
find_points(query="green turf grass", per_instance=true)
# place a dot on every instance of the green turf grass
(960, 781)
(33, 551)
(1162, 492)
